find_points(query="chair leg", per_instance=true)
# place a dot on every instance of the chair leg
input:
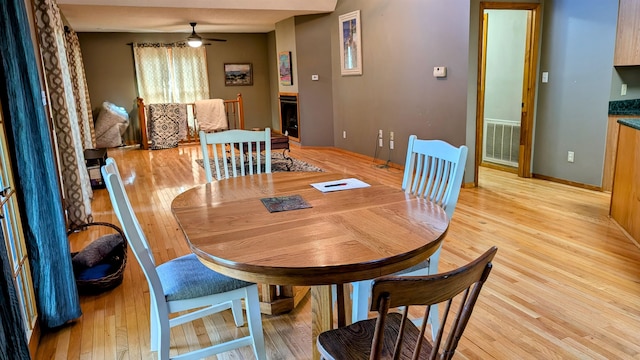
(254, 321)
(360, 300)
(164, 338)
(154, 327)
(236, 309)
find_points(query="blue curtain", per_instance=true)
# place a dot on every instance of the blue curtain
(13, 340)
(35, 171)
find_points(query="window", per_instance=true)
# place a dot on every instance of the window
(11, 226)
(171, 74)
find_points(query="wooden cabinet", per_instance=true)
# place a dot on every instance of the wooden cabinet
(610, 150)
(627, 50)
(625, 196)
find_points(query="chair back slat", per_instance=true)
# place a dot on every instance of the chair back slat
(434, 170)
(463, 285)
(238, 152)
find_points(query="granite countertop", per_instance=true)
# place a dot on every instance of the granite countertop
(632, 123)
(624, 107)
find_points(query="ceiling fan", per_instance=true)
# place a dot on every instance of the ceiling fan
(195, 40)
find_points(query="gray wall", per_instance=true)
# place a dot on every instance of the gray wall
(316, 102)
(274, 84)
(402, 41)
(286, 41)
(577, 50)
(110, 71)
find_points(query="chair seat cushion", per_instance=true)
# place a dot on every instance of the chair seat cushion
(186, 278)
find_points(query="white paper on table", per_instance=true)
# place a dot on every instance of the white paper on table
(342, 184)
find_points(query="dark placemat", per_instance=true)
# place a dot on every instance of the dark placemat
(285, 203)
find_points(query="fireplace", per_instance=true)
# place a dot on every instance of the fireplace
(289, 115)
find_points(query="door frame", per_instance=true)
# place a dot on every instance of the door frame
(528, 87)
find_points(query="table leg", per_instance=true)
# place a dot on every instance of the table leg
(321, 314)
(340, 305)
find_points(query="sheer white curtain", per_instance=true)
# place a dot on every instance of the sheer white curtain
(190, 74)
(152, 72)
(171, 74)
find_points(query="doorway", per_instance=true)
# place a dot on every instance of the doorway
(508, 55)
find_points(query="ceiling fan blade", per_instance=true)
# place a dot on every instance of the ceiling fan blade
(210, 39)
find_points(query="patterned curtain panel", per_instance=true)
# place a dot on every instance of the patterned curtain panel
(75, 178)
(80, 90)
(152, 73)
(36, 178)
(190, 74)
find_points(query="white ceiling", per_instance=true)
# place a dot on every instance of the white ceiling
(174, 16)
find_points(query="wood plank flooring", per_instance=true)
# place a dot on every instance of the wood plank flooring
(565, 283)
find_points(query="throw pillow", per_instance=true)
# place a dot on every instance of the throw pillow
(97, 251)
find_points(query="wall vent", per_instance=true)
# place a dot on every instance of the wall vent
(501, 141)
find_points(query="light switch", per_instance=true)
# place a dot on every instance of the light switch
(545, 76)
(314, 77)
(440, 71)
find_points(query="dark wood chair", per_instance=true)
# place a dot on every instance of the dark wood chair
(392, 335)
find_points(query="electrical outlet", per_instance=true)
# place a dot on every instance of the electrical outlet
(391, 136)
(623, 89)
(344, 134)
(570, 156)
(391, 144)
(380, 143)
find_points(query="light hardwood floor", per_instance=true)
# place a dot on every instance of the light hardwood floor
(565, 283)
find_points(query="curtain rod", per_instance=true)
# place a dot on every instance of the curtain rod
(177, 43)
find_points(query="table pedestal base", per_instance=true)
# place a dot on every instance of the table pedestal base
(280, 299)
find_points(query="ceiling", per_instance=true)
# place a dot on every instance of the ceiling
(174, 16)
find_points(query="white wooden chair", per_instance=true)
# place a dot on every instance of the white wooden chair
(241, 145)
(433, 170)
(184, 284)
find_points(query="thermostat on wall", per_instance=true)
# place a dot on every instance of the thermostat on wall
(440, 71)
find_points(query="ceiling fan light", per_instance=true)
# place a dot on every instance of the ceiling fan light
(194, 42)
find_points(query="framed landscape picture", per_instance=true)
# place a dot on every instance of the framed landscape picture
(284, 68)
(238, 74)
(350, 44)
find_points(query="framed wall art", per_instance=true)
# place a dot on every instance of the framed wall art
(238, 74)
(350, 44)
(284, 68)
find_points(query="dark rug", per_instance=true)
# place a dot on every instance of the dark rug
(278, 163)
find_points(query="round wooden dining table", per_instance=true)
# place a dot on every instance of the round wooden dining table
(344, 236)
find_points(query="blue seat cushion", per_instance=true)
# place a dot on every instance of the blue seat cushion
(187, 278)
(95, 272)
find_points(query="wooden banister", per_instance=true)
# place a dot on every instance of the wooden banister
(234, 109)
(142, 119)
